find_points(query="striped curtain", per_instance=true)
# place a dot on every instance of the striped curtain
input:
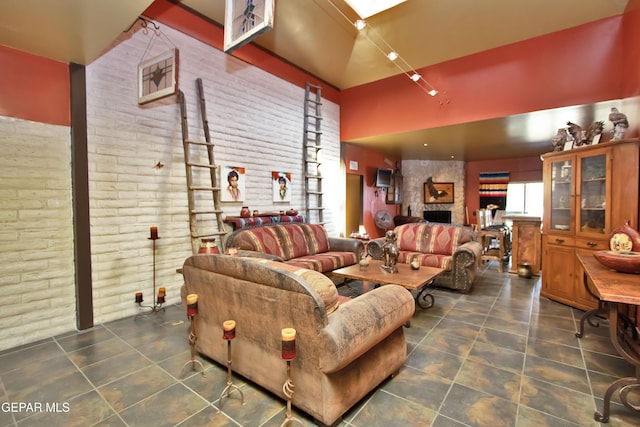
(493, 189)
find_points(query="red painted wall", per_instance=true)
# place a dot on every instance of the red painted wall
(34, 88)
(568, 67)
(631, 61)
(373, 199)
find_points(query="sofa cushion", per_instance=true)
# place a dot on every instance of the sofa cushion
(413, 237)
(438, 239)
(293, 239)
(261, 239)
(444, 240)
(428, 260)
(317, 238)
(324, 262)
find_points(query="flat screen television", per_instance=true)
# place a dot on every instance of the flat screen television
(383, 178)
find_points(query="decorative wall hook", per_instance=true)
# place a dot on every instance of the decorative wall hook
(144, 23)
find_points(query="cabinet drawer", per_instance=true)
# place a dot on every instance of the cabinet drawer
(559, 240)
(594, 244)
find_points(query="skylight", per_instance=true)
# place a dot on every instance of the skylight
(367, 8)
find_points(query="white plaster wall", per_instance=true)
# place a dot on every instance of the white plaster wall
(256, 121)
(416, 173)
(36, 254)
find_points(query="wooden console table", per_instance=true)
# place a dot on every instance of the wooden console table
(611, 289)
(526, 242)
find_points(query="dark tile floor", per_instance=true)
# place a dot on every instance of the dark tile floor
(500, 356)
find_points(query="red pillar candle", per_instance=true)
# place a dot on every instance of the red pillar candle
(154, 233)
(229, 328)
(192, 305)
(161, 295)
(139, 297)
(288, 343)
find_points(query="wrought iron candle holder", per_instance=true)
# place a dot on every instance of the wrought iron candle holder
(160, 300)
(288, 354)
(229, 333)
(192, 311)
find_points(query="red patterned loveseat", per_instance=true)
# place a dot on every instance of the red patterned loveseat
(302, 245)
(450, 247)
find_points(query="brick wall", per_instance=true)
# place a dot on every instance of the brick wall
(256, 121)
(37, 275)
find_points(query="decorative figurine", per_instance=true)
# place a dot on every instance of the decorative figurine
(620, 123)
(559, 139)
(594, 130)
(390, 253)
(575, 130)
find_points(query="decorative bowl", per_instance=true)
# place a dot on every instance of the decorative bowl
(623, 262)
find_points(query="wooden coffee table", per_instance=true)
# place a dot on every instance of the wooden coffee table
(412, 280)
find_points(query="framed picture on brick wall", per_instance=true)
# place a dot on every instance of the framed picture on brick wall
(281, 184)
(232, 183)
(158, 77)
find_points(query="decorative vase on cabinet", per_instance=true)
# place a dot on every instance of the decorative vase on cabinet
(587, 192)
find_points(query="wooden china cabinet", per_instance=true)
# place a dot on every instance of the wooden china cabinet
(588, 192)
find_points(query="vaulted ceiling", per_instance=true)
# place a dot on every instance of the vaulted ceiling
(318, 36)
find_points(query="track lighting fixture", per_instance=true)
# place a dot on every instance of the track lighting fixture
(378, 41)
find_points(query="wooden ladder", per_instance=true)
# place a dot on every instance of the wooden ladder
(205, 224)
(312, 145)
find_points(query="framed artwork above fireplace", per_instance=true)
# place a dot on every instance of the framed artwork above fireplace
(438, 192)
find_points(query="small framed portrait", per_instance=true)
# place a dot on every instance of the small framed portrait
(232, 183)
(568, 145)
(281, 183)
(245, 20)
(438, 192)
(158, 77)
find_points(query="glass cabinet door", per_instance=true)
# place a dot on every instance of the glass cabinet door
(592, 189)
(561, 194)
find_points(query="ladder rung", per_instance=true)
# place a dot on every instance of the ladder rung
(313, 176)
(201, 165)
(315, 193)
(317, 132)
(205, 143)
(315, 101)
(315, 209)
(317, 147)
(204, 188)
(314, 116)
(312, 161)
(205, 211)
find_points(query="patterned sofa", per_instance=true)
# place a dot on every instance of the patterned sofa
(300, 245)
(343, 349)
(450, 247)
